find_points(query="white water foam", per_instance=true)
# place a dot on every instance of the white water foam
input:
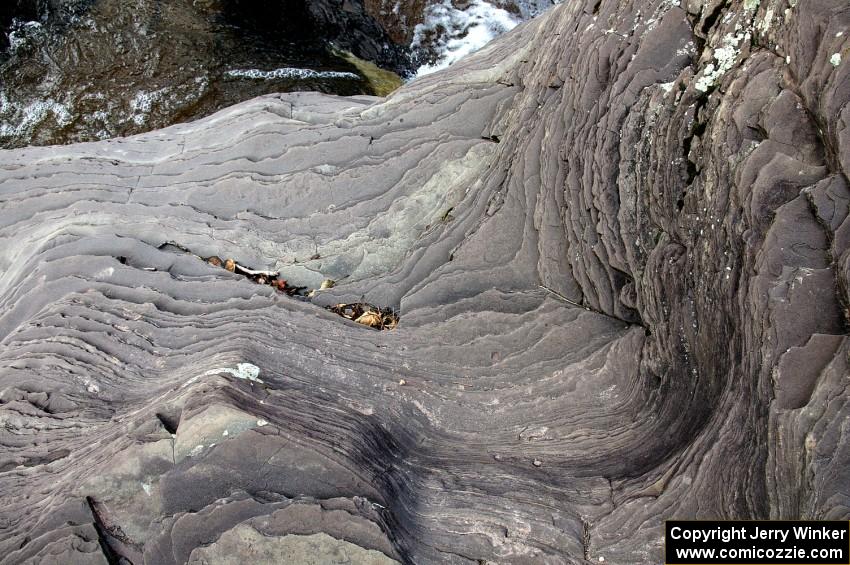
(23, 120)
(142, 104)
(22, 33)
(455, 33)
(287, 72)
(459, 32)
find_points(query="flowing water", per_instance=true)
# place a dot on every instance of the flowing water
(83, 70)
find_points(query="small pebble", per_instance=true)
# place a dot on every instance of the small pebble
(230, 265)
(537, 462)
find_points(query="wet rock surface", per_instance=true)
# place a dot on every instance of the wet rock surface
(617, 238)
(87, 70)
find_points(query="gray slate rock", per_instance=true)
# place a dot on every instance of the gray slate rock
(618, 241)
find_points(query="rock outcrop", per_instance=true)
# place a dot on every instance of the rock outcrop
(617, 239)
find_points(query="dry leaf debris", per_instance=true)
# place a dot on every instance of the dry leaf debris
(368, 315)
(271, 278)
(359, 312)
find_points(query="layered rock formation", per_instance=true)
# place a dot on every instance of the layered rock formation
(617, 239)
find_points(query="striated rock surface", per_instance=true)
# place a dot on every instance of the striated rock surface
(617, 238)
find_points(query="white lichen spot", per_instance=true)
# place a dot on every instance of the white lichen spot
(725, 57)
(707, 79)
(225, 433)
(105, 273)
(245, 371)
(262, 422)
(764, 25)
(666, 87)
(196, 450)
(326, 169)
(835, 59)
(751, 5)
(147, 488)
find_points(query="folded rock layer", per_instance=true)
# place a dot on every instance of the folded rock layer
(617, 239)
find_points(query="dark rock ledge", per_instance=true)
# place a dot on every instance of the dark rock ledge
(675, 177)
